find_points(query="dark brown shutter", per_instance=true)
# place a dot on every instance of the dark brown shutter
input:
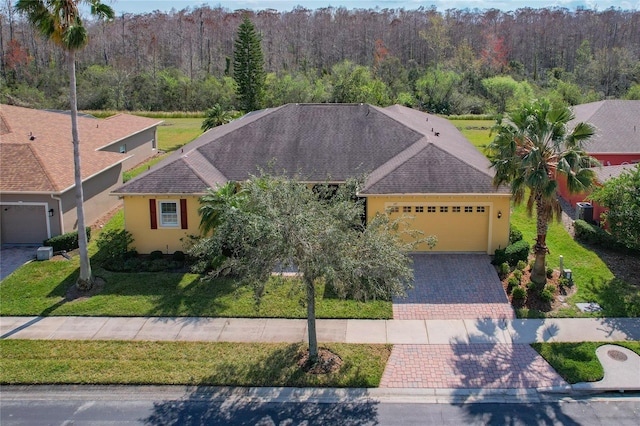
(183, 213)
(152, 213)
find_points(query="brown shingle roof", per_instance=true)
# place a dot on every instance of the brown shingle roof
(617, 123)
(40, 142)
(328, 142)
(605, 173)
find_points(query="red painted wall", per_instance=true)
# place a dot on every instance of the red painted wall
(617, 159)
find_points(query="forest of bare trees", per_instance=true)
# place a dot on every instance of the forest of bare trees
(456, 61)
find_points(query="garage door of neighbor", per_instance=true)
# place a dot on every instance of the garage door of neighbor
(23, 224)
(458, 227)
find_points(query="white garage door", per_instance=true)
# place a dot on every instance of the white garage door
(23, 224)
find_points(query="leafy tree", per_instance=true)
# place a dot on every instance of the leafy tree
(436, 89)
(248, 67)
(500, 90)
(621, 196)
(277, 222)
(215, 117)
(531, 149)
(60, 22)
(633, 94)
(355, 84)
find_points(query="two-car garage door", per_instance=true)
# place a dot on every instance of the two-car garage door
(459, 227)
(23, 223)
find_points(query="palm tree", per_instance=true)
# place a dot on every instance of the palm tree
(215, 202)
(60, 22)
(531, 149)
(216, 116)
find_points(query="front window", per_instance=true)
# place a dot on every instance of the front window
(168, 213)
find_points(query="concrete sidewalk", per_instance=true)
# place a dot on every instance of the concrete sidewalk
(399, 332)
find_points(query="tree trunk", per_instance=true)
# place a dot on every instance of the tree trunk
(539, 272)
(311, 320)
(85, 280)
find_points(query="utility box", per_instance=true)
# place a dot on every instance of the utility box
(44, 253)
(584, 211)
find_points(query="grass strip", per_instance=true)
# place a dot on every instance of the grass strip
(577, 362)
(183, 363)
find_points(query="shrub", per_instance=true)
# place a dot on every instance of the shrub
(521, 265)
(593, 234)
(114, 243)
(154, 265)
(67, 242)
(499, 257)
(179, 256)
(531, 286)
(552, 288)
(517, 252)
(511, 283)
(518, 293)
(546, 295)
(504, 268)
(156, 255)
(564, 282)
(514, 235)
(549, 272)
(517, 274)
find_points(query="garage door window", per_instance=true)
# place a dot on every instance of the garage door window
(406, 209)
(444, 209)
(455, 209)
(431, 209)
(480, 209)
(468, 209)
(419, 209)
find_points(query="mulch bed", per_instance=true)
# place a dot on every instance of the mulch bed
(328, 362)
(533, 301)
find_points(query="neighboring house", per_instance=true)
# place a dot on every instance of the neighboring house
(417, 164)
(37, 187)
(616, 142)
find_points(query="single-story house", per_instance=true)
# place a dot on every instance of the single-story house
(616, 143)
(37, 186)
(417, 164)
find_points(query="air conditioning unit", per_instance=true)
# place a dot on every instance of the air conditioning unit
(584, 211)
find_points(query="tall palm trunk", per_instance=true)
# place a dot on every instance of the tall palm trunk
(85, 281)
(539, 273)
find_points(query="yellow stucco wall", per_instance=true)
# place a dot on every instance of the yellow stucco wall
(167, 239)
(457, 220)
(463, 231)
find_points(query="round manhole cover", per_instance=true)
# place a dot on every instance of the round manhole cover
(617, 355)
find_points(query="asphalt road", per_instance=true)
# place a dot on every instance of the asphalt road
(98, 406)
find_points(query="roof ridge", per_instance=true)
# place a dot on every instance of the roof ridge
(396, 161)
(199, 164)
(52, 182)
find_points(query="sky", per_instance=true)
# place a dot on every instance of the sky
(143, 6)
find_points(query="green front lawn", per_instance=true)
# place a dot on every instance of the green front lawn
(577, 362)
(39, 288)
(593, 279)
(182, 363)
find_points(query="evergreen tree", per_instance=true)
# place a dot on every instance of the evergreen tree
(248, 67)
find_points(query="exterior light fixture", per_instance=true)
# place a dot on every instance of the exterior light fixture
(499, 214)
(50, 212)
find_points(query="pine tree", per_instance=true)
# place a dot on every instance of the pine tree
(248, 67)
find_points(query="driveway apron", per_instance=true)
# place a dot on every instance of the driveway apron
(13, 257)
(456, 287)
(453, 286)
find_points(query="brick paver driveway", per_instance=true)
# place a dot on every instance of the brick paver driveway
(461, 286)
(453, 286)
(468, 366)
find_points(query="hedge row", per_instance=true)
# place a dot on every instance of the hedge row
(593, 234)
(66, 242)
